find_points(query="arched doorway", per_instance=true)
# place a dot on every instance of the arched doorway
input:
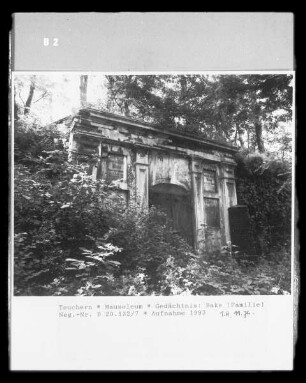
(176, 202)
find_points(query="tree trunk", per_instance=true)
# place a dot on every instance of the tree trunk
(16, 111)
(259, 139)
(126, 108)
(248, 132)
(183, 83)
(239, 135)
(241, 140)
(28, 103)
(83, 90)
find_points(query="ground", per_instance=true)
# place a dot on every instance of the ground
(225, 275)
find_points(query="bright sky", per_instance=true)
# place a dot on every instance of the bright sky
(65, 93)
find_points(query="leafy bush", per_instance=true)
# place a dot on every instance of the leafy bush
(62, 214)
(53, 220)
(264, 185)
(147, 240)
(75, 236)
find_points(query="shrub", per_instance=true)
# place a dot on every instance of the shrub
(264, 185)
(61, 213)
(75, 236)
(146, 239)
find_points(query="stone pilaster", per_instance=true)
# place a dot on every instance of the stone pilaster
(229, 195)
(198, 208)
(142, 179)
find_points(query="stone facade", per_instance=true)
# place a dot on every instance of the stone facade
(191, 178)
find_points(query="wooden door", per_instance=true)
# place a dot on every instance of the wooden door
(178, 209)
(212, 224)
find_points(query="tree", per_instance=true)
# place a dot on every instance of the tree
(237, 108)
(83, 90)
(69, 229)
(30, 97)
(264, 185)
(270, 100)
(28, 91)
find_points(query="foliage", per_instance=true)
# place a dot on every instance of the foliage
(228, 277)
(57, 206)
(147, 240)
(29, 90)
(264, 185)
(240, 107)
(253, 111)
(56, 217)
(74, 236)
(71, 228)
(223, 275)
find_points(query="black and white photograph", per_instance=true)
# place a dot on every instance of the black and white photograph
(152, 215)
(152, 184)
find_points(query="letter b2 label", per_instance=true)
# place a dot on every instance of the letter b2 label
(54, 42)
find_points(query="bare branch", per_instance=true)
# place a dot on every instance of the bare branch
(19, 94)
(44, 94)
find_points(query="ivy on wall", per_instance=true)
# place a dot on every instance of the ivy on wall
(264, 185)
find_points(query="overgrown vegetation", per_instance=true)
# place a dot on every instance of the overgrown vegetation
(264, 185)
(73, 233)
(241, 108)
(74, 236)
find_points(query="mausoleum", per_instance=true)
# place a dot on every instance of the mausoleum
(190, 177)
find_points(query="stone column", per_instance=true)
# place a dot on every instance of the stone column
(198, 208)
(73, 146)
(96, 167)
(142, 179)
(229, 196)
(103, 154)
